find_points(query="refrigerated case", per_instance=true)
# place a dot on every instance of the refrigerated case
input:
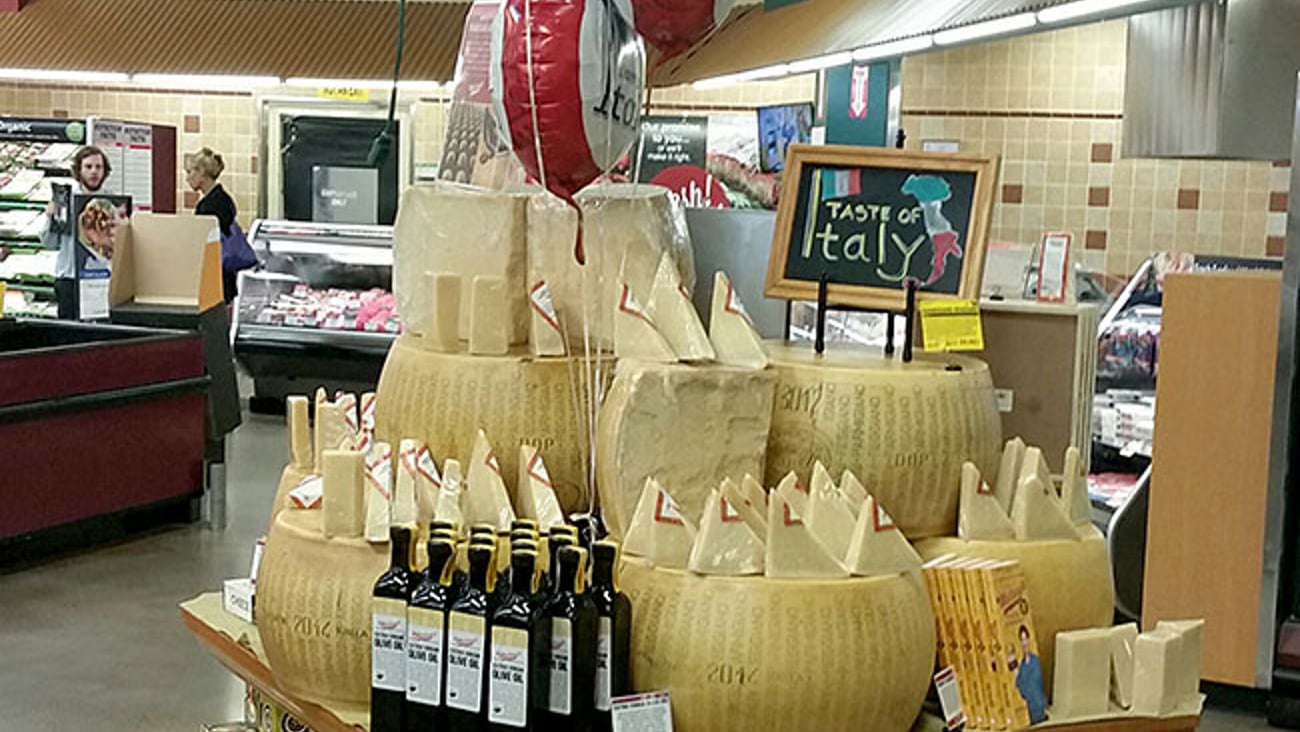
(318, 310)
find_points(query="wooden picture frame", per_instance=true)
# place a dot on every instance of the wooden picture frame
(976, 177)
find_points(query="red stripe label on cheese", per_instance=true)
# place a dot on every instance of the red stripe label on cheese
(491, 462)
(729, 514)
(882, 520)
(666, 511)
(734, 305)
(537, 469)
(790, 518)
(629, 305)
(984, 489)
(544, 305)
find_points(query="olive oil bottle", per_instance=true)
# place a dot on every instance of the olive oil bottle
(467, 643)
(426, 634)
(613, 632)
(517, 685)
(388, 635)
(572, 670)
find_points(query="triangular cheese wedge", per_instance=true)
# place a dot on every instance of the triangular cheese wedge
(1122, 640)
(828, 518)
(449, 498)
(755, 493)
(635, 334)
(753, 507)
(380, 511)
(734, 339)
(332, 431)
(417, 472)
(486, 499)
(980, 516)
(878, 546)
(1034, 465)
(1004, 489)
(793, 551)
(545, 336)
(853, 490)
(1074, 489)
(536, 495)
(659, 532)
(1036, 514)
(795, 491)
(726, 545)
(671, 309)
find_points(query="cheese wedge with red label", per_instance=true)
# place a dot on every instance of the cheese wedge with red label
(726, 544)
(854, 492)
(442, 329)
(636, 336)
(979, 515)
(332, 430)
(793, 551)
(753, 507)
(380, 511)
(545, 336)
(796, 492)
(1034, 465)
(1074, 490)
(1004, 489)
(878, 546)
(486, 499)
(449, 498)
(417, 475)
(672, 311)
(755, 493)
(828, 517)
(348, 403)
(659, 532)
(735, 341)
(1036, 514)
(535, 494)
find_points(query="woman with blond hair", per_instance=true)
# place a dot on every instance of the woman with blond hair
(202, 169)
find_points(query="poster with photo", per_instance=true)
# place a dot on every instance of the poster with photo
(97, 219)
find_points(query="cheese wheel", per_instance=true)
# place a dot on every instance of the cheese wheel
(443, 399)
(1068, 581)
(749, 653)
(904, 429)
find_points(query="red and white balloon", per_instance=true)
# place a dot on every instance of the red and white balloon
(673, 27)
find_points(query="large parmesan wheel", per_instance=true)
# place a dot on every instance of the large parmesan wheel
(313, 609)
(1069, 582)
(903, 428)
(443, 399)
(749, 653)
(686, 426)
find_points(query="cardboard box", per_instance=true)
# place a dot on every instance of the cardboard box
(168, 259)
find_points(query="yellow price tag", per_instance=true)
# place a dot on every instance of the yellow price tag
(952, 325)
(344, 93)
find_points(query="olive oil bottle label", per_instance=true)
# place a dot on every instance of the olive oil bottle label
(424, 652)
(604, 661)
(388, 645)
(508, 685)
(466, 657)
(561, 671)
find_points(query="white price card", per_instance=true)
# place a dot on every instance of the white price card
(945, 683)
(651, 712)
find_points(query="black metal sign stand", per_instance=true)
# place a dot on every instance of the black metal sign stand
(909, 316)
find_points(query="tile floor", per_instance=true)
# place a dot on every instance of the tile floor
(94, 641)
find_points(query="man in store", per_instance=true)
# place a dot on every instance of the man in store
(90, 169)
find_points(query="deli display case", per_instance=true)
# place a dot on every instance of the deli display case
(318, 311)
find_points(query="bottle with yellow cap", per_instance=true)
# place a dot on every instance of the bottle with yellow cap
(520, 640)
(613, 632)
(572, 669)
(388, 635)
(426, 633)
(467, 643)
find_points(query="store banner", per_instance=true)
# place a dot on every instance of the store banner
(42, 130)
(724, 174)
(97, 219)
(857, 104)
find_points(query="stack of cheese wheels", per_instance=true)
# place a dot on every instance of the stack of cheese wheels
(1068, 581)
(444, 399)
(903, 428)
(751, 653)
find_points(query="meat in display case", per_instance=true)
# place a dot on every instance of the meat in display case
(318, 311)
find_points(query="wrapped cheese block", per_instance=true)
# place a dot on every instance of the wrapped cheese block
(726, 544)
(750, 501)
(878, 547)
(1082, 679)
(659, 532)
(442, 227)
(486, 499)
(534, 497)
(1013, 455)
(545, 334)
(853, 490)
(627, 229)
(903, 428)
(379, 493)
(688, 426)
(828, 516)
(793, 550)
(673, 312)
(636, 336)
(450, 497)
(735, 341)
(1036, 513)
(980, 515)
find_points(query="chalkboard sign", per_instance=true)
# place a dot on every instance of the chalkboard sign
(871, 219)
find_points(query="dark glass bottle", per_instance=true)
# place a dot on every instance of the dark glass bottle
(503, 565)
(523, 523)
(426, 633)
(517, 686)
(572, 669)
(437, 525)
(613, 632)
(467, 644)
(388, 636)
(553, 546)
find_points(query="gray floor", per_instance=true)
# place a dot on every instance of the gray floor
(95, 641)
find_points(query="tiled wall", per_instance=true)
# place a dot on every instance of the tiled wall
(1051, 106)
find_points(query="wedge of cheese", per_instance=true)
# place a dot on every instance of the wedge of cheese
(1189, 664)
(332, 430)
(1036, 515)
(449, 498)
(750, 500)
(300, 437)
(854, 492)
(1156, 674)
(379, 494)
(442, 330)
(734, 339)
(636, 336)
(1081, 682)
(535, 495)
(1074, 490)
(1034, 465)
(726, 544)
(979, 515)
(545, 336)
(343, 503)
(1122, 638)
(672, 311)
(792, 550)
(488, 317)
(828, 516)
(1013, 454)
(486, 499)
(878, 546)
(659, 532)
(796, 493)
(417, 476)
